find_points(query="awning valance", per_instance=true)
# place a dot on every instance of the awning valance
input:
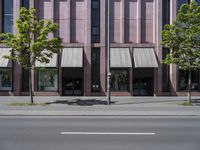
(72, 57)
(3, 61)
(120, 57)
(144, 58)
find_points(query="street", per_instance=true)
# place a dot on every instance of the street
(99, 133)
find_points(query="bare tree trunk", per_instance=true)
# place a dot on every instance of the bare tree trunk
(189, 87)
(30, 85)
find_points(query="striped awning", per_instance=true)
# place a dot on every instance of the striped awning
(72, 57)
(3, 61)
(120, 57)
(144, 58)
(52, 63)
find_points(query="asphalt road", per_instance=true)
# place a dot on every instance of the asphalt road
(130, 133)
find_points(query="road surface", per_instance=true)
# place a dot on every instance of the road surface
(99, 133)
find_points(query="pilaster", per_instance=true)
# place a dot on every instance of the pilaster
(173, 68)
(158, 46)
(139, 21)
(103, 47)
(87, 49)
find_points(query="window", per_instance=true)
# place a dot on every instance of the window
(25, 81)
(119, 79)
(165, 72)
(48, 80)
(5, 79)
(8, 16)
(183, 80)
(198, 2)
(95, 78)
(166, 12)
(25, 3)
(95, 19)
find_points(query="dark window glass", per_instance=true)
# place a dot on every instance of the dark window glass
(95, 19)
(48, 80)
(198, 2)
(180, 2)
(119, 79)
(165, 72)
(5, 79)
(183, 80)
(166, 12)
(95, 78)
(25, 80)
(25, 3)
(8, 16)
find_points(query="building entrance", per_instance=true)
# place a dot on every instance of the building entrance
(72, 81)
(143, 82)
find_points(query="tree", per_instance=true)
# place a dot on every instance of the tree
(31, 43)
(183, 38)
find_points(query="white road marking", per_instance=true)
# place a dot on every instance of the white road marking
(106, 133)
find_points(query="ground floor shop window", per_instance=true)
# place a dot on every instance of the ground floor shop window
(183, 80)
(48, 80)
(5, 79)
(119, 79)
(25, 80)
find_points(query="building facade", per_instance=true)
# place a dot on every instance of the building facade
(80, 68)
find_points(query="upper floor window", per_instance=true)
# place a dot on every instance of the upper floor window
(180, 2)
(166, 12)
(198, 2)
(8, 16)
(25, 3)
(95, 18)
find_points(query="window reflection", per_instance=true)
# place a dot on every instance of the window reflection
(119, 79)
(48, 80)
(5, 79)
(183, 80)
(8, 16)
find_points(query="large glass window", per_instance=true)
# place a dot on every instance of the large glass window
(25, 3)
(180, 2)
(165, 72)
(166, 12)
(198, 2)
(119, 79)
(183, 80)
(95, 70)
(95, 28)
(5, 79)
(25, 81)
(48, 80)
(8, 16)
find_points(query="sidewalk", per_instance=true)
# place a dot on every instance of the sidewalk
(96, 106)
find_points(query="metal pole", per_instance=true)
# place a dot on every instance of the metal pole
(108, 53)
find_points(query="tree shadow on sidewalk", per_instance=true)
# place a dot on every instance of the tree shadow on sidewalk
(81, 102)
(151, 102)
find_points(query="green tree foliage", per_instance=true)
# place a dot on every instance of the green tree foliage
(183, 38)
(31, 43)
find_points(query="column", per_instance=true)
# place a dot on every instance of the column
(17, 69)
(139, 21)
(158, 46)
(1, 25)
(122, 21)
(103, 50)
(87, 49)
(173, 68)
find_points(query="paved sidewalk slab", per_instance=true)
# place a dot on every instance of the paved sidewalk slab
(96, 106)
